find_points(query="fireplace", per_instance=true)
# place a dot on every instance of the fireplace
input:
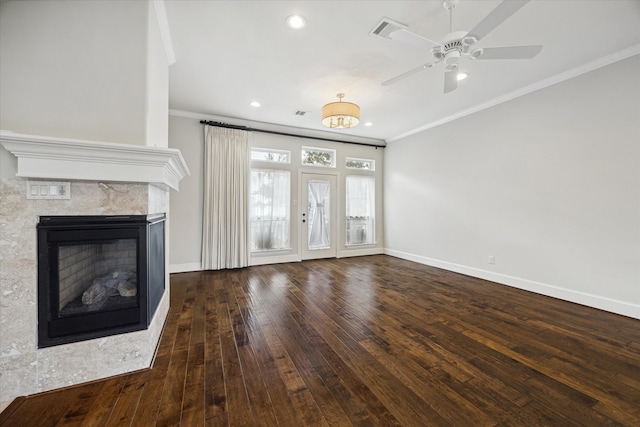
(98, 275)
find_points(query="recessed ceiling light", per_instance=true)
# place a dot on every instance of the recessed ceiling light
(255, 104)
(296, 22)
(368, 124)
(462, 76)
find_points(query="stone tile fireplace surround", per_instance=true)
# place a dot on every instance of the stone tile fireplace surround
(106, 179)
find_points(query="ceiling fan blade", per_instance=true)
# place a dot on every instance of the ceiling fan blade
(496, 17)
(450, 80)
(412, 39)
(408, 73)
(511, 52)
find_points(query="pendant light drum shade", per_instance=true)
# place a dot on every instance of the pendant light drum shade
(340, 114)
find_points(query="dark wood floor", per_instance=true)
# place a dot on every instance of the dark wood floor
(364, 341)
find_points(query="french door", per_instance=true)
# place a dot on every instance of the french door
(318, 216)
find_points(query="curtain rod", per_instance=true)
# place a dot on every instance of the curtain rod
(273, 132)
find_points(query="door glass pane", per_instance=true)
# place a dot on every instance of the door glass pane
(319, 213)
(269, 212)
(360, 208)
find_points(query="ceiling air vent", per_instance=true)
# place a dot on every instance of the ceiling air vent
(300, 113)
(385, 27)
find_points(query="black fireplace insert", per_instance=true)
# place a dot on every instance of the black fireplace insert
(98, 275)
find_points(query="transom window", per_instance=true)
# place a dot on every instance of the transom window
(363, 164)
(270, 155)
(323, 157)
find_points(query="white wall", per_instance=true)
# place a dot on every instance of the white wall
(157, 93)
(74, 69)
(185, 236)
(548, 184)
(186, 134)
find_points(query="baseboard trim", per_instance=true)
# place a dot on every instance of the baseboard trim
(278, 259)
(183, 268)
(590, 300)
(360, 252)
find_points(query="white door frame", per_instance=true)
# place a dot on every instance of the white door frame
(335, 226)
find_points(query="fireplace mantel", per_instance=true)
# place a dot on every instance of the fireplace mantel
(75, 159)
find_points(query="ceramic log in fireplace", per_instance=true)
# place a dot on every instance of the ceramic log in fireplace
(98, 275)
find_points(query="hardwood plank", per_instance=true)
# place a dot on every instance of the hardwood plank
(78, 408)
(240, 413)
(214, 391)
(100, 411)
(278, 394)
(193, 402)
(127, 403)
(171, 402)
(257, 392)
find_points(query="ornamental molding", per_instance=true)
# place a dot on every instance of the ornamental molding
(75, 159)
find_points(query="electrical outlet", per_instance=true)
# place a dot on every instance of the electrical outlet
(492, 259)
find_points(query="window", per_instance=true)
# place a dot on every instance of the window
(270, 155)
(319, 157)
(270, 209)
(360, 193)
(364, 164)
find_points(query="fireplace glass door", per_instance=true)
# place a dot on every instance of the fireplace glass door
(98, 276)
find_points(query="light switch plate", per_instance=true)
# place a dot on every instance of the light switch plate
(48, 190)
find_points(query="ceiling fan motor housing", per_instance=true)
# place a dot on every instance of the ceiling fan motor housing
(453, 42)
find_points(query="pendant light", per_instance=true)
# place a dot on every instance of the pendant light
(340, 115)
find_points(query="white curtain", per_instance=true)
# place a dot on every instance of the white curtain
(360, 192)
(318, 208)
(270, 207)
(225, 228)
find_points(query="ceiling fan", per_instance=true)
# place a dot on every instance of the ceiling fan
(459, 43)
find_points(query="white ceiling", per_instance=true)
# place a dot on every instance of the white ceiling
(229, 53)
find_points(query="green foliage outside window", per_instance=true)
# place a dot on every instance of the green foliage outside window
(320, 158)
(357, 164)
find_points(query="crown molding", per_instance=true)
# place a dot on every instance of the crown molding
(566, 75)
(75, 159)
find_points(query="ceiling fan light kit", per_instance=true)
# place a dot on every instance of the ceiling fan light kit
(340, 115)
(459, 43)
